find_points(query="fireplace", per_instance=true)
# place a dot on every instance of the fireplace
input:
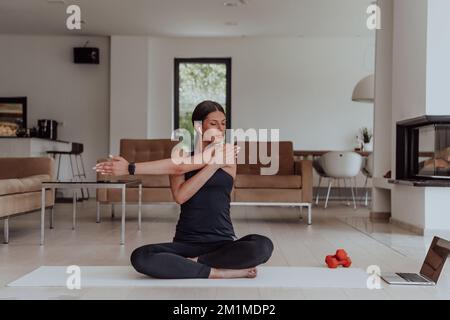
(423, 150)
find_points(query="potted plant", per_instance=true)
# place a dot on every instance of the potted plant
(366, 139)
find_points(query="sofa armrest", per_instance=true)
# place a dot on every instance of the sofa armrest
(305, 169)
(12, 168)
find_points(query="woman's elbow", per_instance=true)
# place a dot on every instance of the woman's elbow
(179, 200)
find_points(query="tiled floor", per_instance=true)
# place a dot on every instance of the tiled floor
(296, 244)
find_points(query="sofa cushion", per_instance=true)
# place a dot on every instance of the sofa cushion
(17, 168)
(148, 181)
(149, 195)
(154, 181)
(137, 150)
(268, 195)
(249, 165)
(23, 202)
(249, 181)
(22, 185)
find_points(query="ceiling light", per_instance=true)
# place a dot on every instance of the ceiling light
(235, 4)
(230, 4)
(56, 1)
(364, 90)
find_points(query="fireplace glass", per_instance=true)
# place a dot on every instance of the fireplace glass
(433, 159)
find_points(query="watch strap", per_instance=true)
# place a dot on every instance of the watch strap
(132, 168)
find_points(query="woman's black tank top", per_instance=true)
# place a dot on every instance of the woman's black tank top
(205, 217)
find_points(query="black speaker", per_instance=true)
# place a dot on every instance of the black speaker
(86, 55)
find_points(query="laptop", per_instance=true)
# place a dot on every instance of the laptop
(431, 268)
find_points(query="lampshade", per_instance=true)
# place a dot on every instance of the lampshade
(364, 90)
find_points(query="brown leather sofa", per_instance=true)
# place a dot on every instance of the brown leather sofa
(20, 186)
(292, 183)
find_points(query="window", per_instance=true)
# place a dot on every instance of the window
(197, 80)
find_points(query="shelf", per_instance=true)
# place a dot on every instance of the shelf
(422, 183)
(381, 183)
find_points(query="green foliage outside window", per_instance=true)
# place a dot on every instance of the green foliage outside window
(199, 82)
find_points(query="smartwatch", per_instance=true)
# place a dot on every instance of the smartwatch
(131, 168)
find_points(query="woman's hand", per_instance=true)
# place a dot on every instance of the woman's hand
(116, 166)
(224, 156)
(218, 139)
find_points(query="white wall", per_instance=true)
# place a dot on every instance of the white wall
(301, 85)
(42, 68)
(409, 59)
(129, 89)
(438, 69)
(408, 96)
(420, 63)
(438, 43)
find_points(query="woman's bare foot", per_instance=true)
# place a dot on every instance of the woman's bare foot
(232, 274)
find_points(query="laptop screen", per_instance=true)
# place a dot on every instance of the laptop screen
(435, 259)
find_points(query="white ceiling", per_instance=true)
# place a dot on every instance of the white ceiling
(190, 18)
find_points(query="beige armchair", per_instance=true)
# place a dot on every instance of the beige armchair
(20, 187)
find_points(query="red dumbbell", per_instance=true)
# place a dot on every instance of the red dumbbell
(341, 258)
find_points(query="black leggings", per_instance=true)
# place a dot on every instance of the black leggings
(169, 260)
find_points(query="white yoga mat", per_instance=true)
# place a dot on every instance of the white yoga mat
(268, 277)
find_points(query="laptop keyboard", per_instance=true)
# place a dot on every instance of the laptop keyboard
(412, 277)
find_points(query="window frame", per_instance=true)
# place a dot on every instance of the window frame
(176, 105)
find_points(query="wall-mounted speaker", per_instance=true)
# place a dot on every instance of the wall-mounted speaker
(86, 55)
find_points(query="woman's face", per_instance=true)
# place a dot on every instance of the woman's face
(216, 124)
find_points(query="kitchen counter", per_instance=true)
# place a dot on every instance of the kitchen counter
(11, 137)
(30, 147)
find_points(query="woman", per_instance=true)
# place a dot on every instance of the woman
(204, 245)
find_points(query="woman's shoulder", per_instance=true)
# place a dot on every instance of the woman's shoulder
(229, 171)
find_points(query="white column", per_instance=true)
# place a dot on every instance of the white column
(437, 215)
(438, 55)
(421, 47)
(381, 197)
(129, 89)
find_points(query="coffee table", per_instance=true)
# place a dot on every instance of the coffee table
(123, 185)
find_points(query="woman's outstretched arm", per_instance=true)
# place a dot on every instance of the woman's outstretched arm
(118, 166)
